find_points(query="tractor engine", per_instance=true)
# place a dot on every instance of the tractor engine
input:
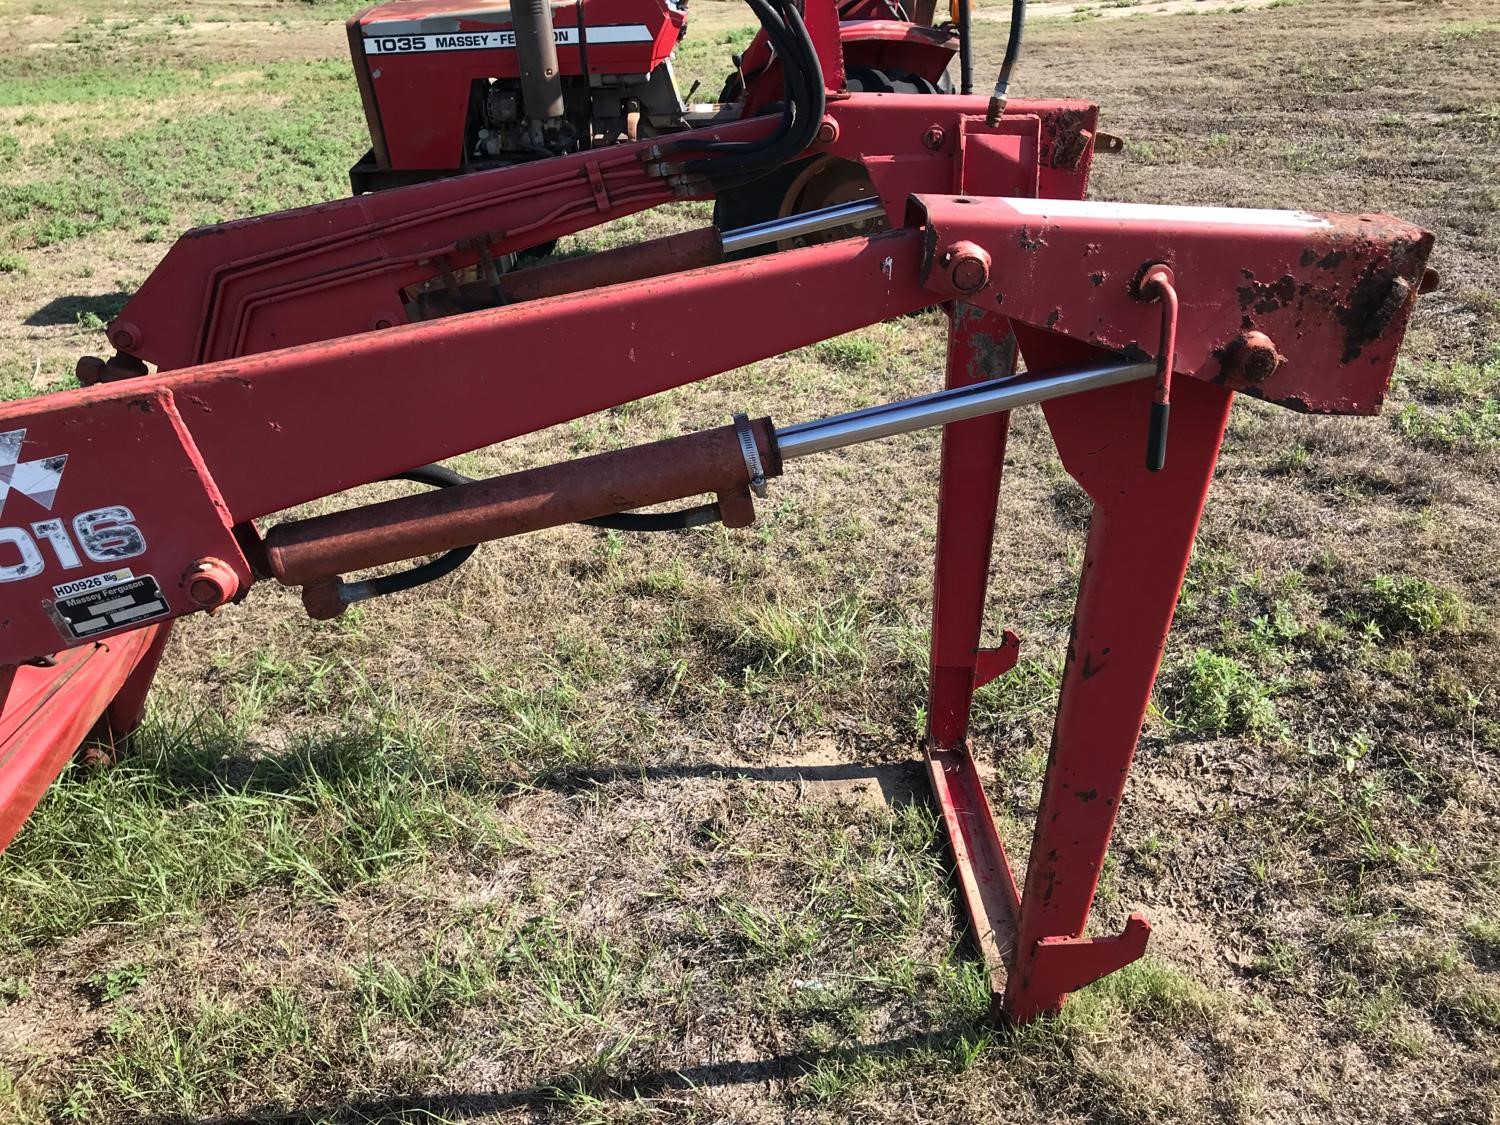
(451, 89)
(605, 108)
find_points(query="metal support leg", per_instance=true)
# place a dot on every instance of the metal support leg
(49, 711)
(1139, 541)
(980, 346)
(128, 707)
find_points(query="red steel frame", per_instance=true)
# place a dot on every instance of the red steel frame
(248, 426)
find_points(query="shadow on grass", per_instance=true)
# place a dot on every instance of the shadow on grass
(901, 782)
(191, 765)
(562, 1089)
(77, 309)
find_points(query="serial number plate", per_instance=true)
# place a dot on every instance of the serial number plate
(113, 607)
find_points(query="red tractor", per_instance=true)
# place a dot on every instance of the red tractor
(445, 90)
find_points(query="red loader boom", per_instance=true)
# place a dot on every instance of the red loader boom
(284, 348)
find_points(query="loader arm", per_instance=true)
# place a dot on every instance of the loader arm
(340, 268)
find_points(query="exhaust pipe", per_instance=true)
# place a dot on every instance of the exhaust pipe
(536, 51)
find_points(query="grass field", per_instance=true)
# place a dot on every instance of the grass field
(611, 829)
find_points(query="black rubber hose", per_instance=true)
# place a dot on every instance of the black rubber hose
(965, 50)
(803, 81)
(421, 574)
(776, 33)
(438, 476)
(811, 104)
(681, 520)
(1012, 47)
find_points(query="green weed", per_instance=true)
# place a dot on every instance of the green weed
(1471, 29)
(444, 980)
(1219, 696)
(198, 1058)
(545, 724)
(1484, 934)
(1476, 1005)
(1399, 605)
(848, 353)
(1476, 427)
(799, 640)
(111, 984)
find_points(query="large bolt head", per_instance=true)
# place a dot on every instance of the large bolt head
(211, 582)
(124, 335)
(1255, 357)
(968, 266)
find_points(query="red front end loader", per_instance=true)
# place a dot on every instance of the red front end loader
(268, 362)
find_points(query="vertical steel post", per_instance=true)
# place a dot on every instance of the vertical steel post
(980, 346)
(1140, 538)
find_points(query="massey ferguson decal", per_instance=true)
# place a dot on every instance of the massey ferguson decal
(99, 535)
(500, 40)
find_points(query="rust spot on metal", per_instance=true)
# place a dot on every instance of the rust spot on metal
(1371, 307)
(1096, 279)
(1267, 297)
(1377, 297)
(992, 358)
(1053, 317)
(1027, 242)
(1252, 358)
(1065, 139)
(1087, 795)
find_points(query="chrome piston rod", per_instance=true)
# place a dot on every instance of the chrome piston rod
(809, 222)
(942, 407)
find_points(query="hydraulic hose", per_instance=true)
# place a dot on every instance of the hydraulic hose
(681, 520)
(804, 100)
(802, 77)
(776, 34)
(438, 476)
(1008, 64)
(965, 50)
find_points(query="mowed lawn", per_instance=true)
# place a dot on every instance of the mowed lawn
(613, 828)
